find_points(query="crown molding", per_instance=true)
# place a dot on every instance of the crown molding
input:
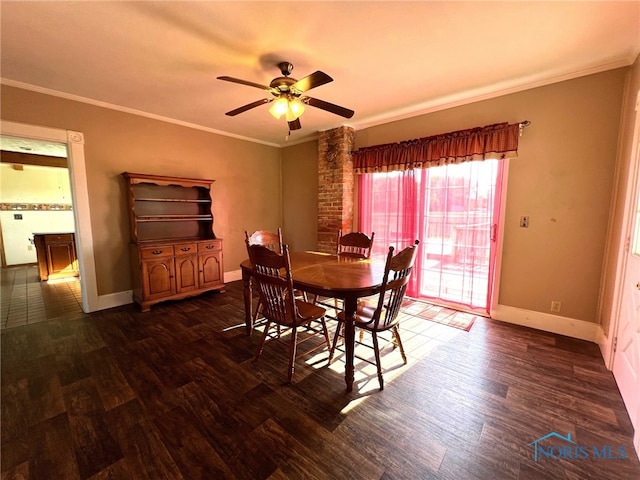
(438, 104)
(133, 111)
(485, 93)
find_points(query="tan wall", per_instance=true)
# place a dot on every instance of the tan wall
(616, 239)
(562, 179)
(246, 174)
(300, 195)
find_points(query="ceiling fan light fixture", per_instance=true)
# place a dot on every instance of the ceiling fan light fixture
(296, 108)
(287, 97)
(280, 107)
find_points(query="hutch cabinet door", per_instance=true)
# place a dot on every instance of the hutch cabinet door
(186, 273)
(158, 278)
(210, 266)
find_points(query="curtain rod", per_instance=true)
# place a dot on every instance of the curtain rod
(523, 124)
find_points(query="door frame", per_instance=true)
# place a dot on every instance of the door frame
(627, 223)
(629, 219)
(500, 222)
(80, 197)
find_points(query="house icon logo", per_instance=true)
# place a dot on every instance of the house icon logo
(555, 446)
(537, 446)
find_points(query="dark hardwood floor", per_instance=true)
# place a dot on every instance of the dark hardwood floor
(174, 394)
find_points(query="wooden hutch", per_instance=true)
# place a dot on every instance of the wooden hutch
(174, 252)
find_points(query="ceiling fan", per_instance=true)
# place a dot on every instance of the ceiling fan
(288, 98)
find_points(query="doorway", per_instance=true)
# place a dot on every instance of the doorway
(74, 142)
(40, 275)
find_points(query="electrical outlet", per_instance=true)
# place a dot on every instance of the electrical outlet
(524, 222)
(555, 306)
(30, 247)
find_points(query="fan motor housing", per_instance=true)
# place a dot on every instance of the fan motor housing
(282, 83)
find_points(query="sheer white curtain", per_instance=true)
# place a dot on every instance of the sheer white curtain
(453, 210)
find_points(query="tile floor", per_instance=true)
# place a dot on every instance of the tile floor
(24, 299)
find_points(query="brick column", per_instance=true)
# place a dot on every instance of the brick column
(335, 186)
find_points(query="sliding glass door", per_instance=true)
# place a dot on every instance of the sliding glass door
(453, 211)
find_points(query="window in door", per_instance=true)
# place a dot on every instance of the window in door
(453, 210)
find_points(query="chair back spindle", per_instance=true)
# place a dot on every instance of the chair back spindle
(354, 244)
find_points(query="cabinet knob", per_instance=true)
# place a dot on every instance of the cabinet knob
(209, 247)
(185, 249)
(157, 252)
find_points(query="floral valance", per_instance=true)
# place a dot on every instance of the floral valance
(492, 141)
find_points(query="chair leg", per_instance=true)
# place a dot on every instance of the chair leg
(326, 332)
(256, 315)
(292, 353)
(376, 350)
(396, 334)
(262, 340)
(335, 342)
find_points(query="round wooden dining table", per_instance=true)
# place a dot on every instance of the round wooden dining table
(331, 276)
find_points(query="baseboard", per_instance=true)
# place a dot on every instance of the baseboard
(115, 299)
(547, 322)
(124, 298)
(232, 276)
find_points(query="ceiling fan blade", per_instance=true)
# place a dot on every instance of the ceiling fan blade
(329, 107)
(311, 81)
(295, 125)
(245, 82)
(249, 106)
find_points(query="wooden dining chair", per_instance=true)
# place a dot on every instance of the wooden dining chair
(383, 316)
(271, 240)
(354, 244)
(304, 320)
(266, 238)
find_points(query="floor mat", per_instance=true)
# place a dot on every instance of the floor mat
(436, 313)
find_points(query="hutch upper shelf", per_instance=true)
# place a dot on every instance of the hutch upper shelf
(169, 208)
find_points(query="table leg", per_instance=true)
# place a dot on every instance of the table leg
(350, 305)
(246, 287)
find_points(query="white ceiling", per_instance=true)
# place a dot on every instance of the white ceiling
(388, 59)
